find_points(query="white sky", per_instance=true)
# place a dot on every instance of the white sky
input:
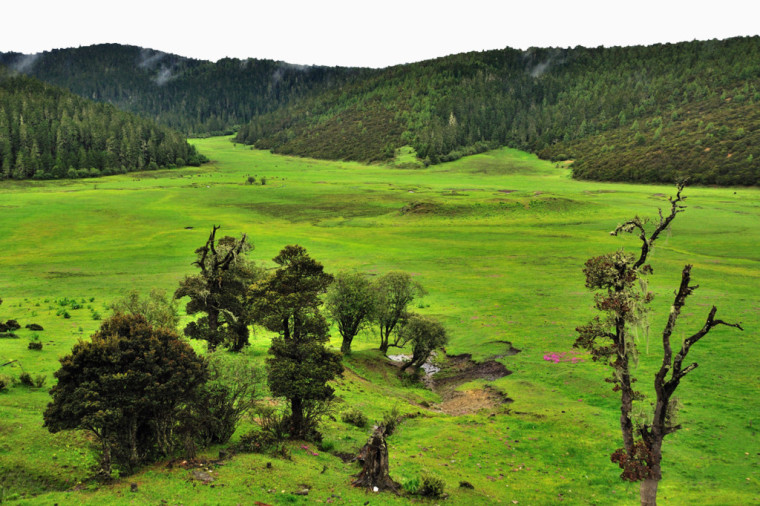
(363, 33)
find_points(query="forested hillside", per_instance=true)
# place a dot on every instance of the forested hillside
(635, 113)
(639, 113)
(47, 133)
(193, 96)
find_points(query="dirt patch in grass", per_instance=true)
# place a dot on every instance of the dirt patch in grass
(315, 211)
(345, 456)
(508, 352)
(472, 401)
(461, 369)
(66, 274)
(420, 208)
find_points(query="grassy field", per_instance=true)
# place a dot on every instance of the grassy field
(498, 240)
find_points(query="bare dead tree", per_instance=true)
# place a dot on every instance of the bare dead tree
(218, 291)
(622, 298)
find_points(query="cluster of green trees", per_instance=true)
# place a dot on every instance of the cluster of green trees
(49, 133)
(144, 393)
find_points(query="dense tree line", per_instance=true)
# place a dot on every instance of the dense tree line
(193, 96)
(50, 133)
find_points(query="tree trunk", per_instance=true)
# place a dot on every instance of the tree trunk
(374, 459)
(241, 337)
(296, 418)
(622, 366)
(105, 459)
(213, 325)
(134, 458)
(345, 347)
(648, 492)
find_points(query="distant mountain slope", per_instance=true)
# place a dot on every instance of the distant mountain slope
(193, 96)
(634, 113)
(47, 132)
(580, 103)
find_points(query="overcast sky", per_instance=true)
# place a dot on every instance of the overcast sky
(365, 33)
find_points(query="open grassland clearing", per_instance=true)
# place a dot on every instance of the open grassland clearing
(498, 240)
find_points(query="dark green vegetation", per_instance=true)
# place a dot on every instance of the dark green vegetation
(646, 114)
(50, 133)
(193, 96)
(501, 257)
(127, 387)
(299, 366)
(218, 292)
(350, 303)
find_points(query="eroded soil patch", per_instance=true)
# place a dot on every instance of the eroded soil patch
(472, 401)
(461, 369)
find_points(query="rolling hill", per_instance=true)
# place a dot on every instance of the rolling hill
(50, 133)
(643, 113)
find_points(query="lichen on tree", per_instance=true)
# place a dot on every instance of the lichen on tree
(622, 299)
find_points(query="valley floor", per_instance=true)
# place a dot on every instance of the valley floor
(497, 239)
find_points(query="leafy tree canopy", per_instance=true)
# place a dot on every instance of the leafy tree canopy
(126, 386)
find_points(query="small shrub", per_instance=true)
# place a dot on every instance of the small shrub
(96, 315)
(273, 422)
(263, 181)
(431, 486)
(26, 379)
(255, 441)
(412, 379)
(390, 421)
(227, 396)
(12, 325)
(412, 486)
(326, 446)
(5, 383)
(34, 326)
(37, 382)
(35, 345)
(354, 417)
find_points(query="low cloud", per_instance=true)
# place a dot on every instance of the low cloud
(149, 58)
(25, 62)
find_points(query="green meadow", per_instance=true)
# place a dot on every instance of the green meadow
(497, 239)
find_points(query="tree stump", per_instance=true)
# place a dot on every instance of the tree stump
(374, 460)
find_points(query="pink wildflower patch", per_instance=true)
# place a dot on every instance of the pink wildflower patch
(306, 448)
(564, 356)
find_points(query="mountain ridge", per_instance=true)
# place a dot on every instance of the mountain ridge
(561, 103)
